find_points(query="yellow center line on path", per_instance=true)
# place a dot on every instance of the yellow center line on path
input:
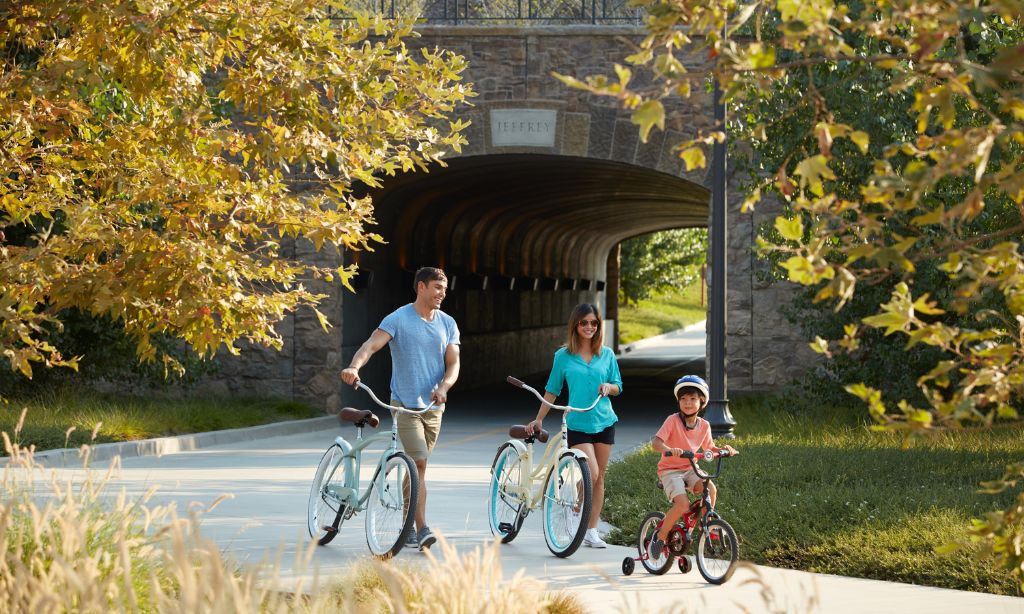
(500, 429)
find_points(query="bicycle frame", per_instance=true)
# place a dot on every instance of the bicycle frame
(348, 495)
(352, 454)
(530, 475)
(687, 524)
(556, 446)
(700, 528)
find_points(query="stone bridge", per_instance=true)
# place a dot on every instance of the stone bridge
(527, 220)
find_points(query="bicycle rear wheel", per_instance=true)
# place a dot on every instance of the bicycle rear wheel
(648, 531)
(506, 508)
(568, 495)
(717, 551)
(326, 509)
(391, 507)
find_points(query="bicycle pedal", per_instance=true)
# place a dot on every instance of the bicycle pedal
(505, 527)
(329, 530)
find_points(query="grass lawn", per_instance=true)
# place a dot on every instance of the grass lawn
(819, 492)
(50, 416)
(661, 314)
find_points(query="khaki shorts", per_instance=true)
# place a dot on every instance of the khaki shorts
(418, 432)
(678, 482)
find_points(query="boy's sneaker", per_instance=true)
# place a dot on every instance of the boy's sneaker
(426, 538)
(656, 547)
(593, 539)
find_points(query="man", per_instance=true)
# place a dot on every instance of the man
(424, 344)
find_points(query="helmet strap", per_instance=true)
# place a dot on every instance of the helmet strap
(683, 418)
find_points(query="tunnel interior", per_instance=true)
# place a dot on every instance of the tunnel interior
(523, 238)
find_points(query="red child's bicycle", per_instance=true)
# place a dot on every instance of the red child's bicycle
(714, 540)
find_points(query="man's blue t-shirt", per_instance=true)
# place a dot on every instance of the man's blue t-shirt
(583, 381)
(417, 353)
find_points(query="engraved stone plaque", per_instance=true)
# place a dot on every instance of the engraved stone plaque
(523, 127)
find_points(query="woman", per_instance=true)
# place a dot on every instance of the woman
(590, 369)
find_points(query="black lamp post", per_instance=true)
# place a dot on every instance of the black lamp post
(717, 413)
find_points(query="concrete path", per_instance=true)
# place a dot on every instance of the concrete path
(269, 480)
(664, 358)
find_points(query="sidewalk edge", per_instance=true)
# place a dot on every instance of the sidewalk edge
(159, 446)
(640, 343)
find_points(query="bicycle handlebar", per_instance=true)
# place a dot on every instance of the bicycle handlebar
(520, 384)
(407, 410)
(708, 455)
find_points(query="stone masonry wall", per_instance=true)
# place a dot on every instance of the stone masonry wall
(511, 68)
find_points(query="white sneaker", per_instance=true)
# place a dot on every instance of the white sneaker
(593, 539)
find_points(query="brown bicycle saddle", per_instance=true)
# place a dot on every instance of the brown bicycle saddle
(360, 417)
(518, 431)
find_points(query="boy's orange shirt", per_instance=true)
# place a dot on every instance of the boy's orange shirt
(676, 435)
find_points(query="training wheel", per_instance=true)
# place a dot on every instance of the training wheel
(628, 564)
(684, 564)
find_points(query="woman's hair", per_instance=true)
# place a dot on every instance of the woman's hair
(575, 342)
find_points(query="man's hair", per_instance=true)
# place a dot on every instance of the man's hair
(426, 275)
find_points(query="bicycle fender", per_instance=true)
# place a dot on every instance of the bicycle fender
(346, 447)
(580, 454)
(515, 443)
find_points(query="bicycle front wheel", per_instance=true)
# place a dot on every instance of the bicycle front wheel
(326, 509)
(392, 505)
(717, 551)
(648, 532)
(505, 505)
(568, 495)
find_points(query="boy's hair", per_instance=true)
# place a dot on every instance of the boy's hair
(426, 275)
(703, 399)
(695, 383)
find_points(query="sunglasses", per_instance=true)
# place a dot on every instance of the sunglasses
(589, 323)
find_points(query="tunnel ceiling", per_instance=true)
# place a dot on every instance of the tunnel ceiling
(529, 215)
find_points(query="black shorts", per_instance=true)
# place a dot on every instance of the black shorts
(577, 437)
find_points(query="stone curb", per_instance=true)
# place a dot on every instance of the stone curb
(159, 446)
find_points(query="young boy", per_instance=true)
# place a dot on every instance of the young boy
(683, 431)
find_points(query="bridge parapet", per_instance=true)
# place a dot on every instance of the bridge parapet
(504, 12)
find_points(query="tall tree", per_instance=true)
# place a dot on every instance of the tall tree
(661, 261)
(942, 196)
(155, 155)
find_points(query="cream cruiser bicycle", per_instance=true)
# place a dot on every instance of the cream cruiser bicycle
(389, 498)
(566, 495)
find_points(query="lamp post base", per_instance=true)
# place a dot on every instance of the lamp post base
(721, 420)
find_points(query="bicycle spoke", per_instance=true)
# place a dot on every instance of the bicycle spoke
(716, 551)
(326, 508)
(390, 506)
(566, 501)
(505, 502)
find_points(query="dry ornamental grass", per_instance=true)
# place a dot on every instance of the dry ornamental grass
(70, 545)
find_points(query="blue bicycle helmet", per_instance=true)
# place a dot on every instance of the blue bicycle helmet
(692, 381)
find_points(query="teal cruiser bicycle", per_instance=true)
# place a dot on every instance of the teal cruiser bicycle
(565, 494)
(389, 499)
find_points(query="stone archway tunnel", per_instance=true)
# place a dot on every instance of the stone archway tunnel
(551, 179)
(524, 238)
